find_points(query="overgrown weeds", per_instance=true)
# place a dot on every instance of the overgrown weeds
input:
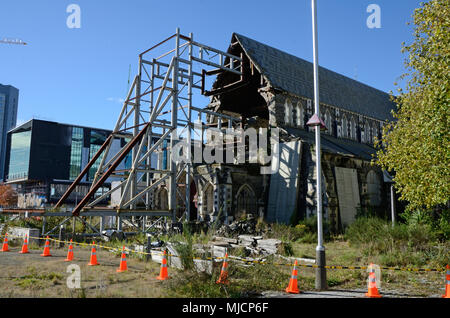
(413, 244)
(304, 232)
(35, 280)
(244, 282)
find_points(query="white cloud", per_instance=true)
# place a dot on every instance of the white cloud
(115, 100)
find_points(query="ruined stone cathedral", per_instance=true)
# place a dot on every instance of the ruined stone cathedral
(276, 90)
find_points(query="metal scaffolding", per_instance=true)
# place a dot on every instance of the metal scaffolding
(158, 110)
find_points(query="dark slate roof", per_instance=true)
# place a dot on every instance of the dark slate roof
(334, 145)
(295, 75)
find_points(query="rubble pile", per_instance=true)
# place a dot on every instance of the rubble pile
(238, 227)
(255, 245)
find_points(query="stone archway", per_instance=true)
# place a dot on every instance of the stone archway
(181, 196)
(162, 199)
(245, 201)
(208, 199)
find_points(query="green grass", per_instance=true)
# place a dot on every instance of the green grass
(35, 280)
(244, 282)
(368, 240)
(402, 245)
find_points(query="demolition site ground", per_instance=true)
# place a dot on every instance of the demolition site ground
(31, 275)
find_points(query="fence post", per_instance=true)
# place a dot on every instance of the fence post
(149, 248)
(44, 221)
(60, 236)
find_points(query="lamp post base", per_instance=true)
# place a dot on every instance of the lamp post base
(321, 273)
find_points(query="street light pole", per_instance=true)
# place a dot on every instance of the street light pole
(321, 274)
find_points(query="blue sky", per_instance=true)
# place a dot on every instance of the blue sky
(77, 76)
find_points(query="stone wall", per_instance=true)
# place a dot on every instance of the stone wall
(287, 110)
(227, 181)
(330, 194)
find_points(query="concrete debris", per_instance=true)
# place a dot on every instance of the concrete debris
(111, 234)
(173, 258)
(247, 261)
(219, 251)
(238, 228)
(300, 260)
(254, 245)
(225, 240)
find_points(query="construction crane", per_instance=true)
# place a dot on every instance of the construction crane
(12, 41)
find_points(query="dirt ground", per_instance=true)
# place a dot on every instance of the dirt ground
(31, 275)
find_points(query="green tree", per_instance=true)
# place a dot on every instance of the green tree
(416, 144)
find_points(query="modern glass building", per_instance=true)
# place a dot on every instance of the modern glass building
(9, 98)
(43, 158)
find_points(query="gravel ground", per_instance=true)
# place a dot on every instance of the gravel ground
(31, 275)
(339, 294)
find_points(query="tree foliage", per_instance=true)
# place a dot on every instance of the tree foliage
(8, 196)
(416, 144)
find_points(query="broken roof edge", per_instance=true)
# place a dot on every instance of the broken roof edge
(238, 37)
(258, 67)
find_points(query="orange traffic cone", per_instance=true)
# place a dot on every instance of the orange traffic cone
(223, 278)
(123, 262)
(5, 247)
(447, 285)
(372, 290)
(93, 260)
(69, 253)
(163, 275)
(25, 246)
(293, 283)
(46, 248)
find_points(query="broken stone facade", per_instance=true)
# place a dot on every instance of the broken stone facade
(276, 90)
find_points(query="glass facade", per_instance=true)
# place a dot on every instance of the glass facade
(76, 152)
(128, 160)
(45, 157)
(2, 101)
(97, 139)
(19, 155)
(9, 96)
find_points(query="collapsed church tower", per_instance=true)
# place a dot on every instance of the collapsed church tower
(276, 90)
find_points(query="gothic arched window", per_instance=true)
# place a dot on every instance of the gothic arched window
(353, 129)
(288, 112)
(245, 201)
(208, 199)
(375, 132)
(162, 199)
(344, 127)
(328, 122)
(300, 115)
(367, 132)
